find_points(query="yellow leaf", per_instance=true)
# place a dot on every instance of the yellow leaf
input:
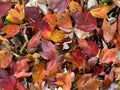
(58, 36)
(101, 10)
(74, 7)
(16, 15)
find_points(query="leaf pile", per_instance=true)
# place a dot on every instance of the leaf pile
(60, 45)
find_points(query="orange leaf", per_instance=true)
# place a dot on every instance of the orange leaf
(38, 72)
(16, 15)
(47, 31)
(86, 82)
(5, 58)
(64, 20)
(108, 30)
(108, 55)
(101, 10)
(58, 36)
(11, 30)
(64, 80)
(50, 19)
(74, 7)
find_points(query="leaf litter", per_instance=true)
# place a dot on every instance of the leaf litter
(59, 45)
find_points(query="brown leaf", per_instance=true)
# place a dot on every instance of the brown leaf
(108, 30)
(11, 30)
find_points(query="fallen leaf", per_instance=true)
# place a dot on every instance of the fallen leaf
(47, 31)
(21, 69)
(74, 7)
(53, 65)
(86, 82)
(11, 30)
(108, 55)
(88, 47)
(64, 80)
(108, 30)
(64, 20)
(39, 72)
(50, 19)
(35, 40)
(16, 15)
(117, 2)
(49, 50)
(58, 36)
(59, 6)
(5, 58)
(101, 10)
(85, 21)
(6, 6)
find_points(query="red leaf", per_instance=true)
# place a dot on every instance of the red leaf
(88, 47)
(6, 6)
(7, 82)
(85, 21)
(20, 69)
(54, 64)
(78, 56)
(49, 50)
(59, 5)
(35, 40)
